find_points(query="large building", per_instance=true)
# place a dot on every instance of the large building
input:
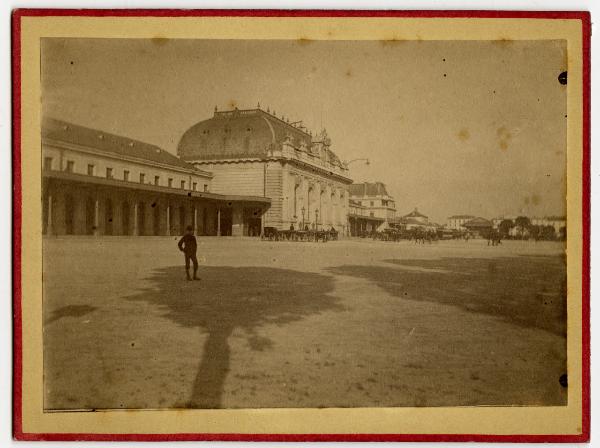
(456, 222)
(370, 207)
(254, 152)
(97, 183)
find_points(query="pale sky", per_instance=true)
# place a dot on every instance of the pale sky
(451, 127)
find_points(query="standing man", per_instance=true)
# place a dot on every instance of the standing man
(187, 245)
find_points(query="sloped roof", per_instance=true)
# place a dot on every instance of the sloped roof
(368, 189)
(415, 214)
(239, 133)
(478, 222)
(461, 217)
(110, 143)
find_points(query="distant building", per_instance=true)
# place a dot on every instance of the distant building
(254, 152)
(559, 223)
(457, 222)
(479, 226)
(96, 183)
(496, 221)
(415, 220)
(417, 216)
(371, 206)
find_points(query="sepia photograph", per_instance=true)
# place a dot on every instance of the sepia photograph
(303, 224)
(250, 222)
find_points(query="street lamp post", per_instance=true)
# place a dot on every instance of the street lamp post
(367, 162)
(303, 210)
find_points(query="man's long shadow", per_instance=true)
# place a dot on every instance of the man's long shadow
(228, 298)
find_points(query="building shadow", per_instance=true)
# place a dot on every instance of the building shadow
(522, 290)
(230, 298)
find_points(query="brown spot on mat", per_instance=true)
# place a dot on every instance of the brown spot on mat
(464, 134)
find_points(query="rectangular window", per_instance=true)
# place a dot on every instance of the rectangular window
(156, 180)
(170, 182)
(126, 175)
(371, 214)
(109, 174)
(194, 186)
(205, 187)
(142, 178)
(183, 184)
(47, 163)
(90, 170)
(372, 203)
(70, 166)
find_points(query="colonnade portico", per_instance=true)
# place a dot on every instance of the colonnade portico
(315, 202)
(84, 208)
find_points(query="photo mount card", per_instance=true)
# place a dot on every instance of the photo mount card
(269, 225)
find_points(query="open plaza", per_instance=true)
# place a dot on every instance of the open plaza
(347, 323)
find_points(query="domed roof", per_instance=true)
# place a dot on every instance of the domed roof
(238, 134)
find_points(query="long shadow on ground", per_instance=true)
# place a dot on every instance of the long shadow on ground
(523, 290)
(234, 297)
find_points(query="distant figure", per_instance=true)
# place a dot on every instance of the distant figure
(494, 238)
(306, 227)
(187, 244)
(332, 229)
(292, 227)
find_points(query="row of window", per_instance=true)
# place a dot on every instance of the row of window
(384, 203)
(91, 170)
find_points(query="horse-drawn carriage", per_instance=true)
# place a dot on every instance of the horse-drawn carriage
(273, 234)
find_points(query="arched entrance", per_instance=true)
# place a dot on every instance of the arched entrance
(141, 218)
(156, 219)
(108, 217)
(90, 208)
(69, 214)
(181, 220)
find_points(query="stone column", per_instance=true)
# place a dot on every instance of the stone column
(305, 200)
(286, 181)
(168, 217)
(136, 231)
(195, 218)
(96, 215)
(309, 200)
(296, 200)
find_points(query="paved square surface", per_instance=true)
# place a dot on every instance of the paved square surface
(280, 324)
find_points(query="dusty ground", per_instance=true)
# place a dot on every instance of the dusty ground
(347, 323)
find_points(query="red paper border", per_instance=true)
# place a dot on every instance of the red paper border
(17, 218)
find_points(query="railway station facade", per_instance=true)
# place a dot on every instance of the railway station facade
(96, 183)
(254, 152)
(235, 174)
